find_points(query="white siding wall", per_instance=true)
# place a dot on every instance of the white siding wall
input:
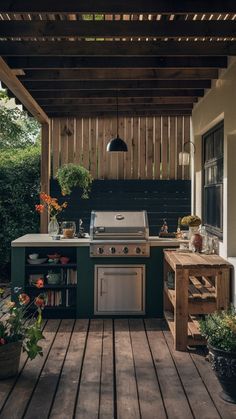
(219, 104)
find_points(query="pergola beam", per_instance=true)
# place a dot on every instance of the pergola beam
(117, 84)
(17, 88)
(108, 29)
(116, 48)
(112, 108)
(112, 101)
(70, 114)
(68, 94)
(121, 6)
(120, 74)
(126, 62)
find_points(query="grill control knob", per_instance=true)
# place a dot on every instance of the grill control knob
(112, 250)
(126, 250)
(138, 250)
(100, 250)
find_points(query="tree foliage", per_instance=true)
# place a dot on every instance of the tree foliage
(17, 129)
(19, 189)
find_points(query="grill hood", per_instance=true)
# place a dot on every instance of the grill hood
(119, 225)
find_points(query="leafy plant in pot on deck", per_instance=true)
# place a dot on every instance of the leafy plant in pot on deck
(219, 329)
(19, 330)
(71, 175)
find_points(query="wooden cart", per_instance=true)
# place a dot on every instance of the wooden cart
(201, 285)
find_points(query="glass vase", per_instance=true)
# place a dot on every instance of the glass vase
(53, 227)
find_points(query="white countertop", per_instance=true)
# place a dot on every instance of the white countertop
(44, 240)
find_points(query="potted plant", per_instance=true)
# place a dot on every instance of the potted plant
(219, 329)
(19, 331)
(71, 175)
(195, 239)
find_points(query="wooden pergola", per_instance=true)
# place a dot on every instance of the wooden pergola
(64, 59)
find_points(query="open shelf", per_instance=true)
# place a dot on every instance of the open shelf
(53, 286)
(51, 265)
(195, 305)
(194, 335)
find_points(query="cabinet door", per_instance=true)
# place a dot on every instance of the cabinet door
(119, 290)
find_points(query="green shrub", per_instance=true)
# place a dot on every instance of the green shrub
(19, 189)
(219, 329)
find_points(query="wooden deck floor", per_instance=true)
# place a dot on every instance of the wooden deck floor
(112, 369)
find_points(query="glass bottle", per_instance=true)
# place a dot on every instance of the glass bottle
(205, 244)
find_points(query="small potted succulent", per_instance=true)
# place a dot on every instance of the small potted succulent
(219, 329)
(19, 330)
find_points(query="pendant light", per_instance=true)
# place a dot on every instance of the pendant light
(184, 156)
(117, 144)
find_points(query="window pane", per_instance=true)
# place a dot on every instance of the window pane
(213, 146)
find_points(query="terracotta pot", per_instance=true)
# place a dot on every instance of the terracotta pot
(10, 359)
(196, 242)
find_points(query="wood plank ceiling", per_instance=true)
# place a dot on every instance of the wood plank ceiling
(75, 58)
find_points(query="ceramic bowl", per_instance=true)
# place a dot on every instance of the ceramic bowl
(34, 256)
(64, 260)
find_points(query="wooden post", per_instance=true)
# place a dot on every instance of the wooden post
(181, 309)
(45, 171)
(222, 289)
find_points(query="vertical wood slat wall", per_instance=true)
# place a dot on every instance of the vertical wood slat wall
(153, 143)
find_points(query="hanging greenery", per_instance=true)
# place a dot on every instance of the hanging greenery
(71, 175)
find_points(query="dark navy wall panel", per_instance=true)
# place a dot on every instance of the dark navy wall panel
(168, 199)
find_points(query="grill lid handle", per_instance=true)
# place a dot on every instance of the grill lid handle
(119, 217)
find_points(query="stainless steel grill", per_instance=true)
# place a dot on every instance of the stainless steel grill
(119, 234)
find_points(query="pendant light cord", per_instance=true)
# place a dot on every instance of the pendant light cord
(117, 115)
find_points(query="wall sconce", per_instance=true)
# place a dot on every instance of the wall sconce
(184, 156)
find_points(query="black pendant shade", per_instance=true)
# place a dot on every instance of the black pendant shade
(117, 144)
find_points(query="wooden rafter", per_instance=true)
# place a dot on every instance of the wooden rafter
(117, 84)
(109, 29)
(112, 101)
(121, 6)
(100, 48)
(17, 88)
(116, 62)
(109, 114)
(120, 74)
(55, 94)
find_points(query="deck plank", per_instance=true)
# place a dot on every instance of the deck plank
(150, 399)
(89, 391)
(109, 369)
(21, 388)
(192, 382)
(173, 394)
(226, 410)
(106, 410)
(127, 396)
(41, 401)
(64, 402)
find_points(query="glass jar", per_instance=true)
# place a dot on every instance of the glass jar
(68, 229)
(205, 243)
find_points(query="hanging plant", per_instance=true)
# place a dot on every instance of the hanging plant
(71, 175)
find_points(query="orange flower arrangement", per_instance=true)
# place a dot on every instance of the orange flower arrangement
(50, 205)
